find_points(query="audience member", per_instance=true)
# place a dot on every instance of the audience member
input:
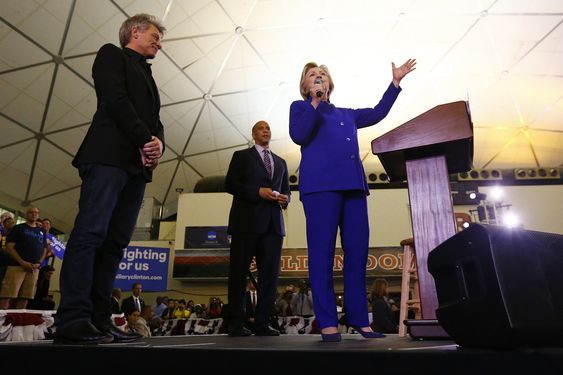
(302, 302)
(115, 300)
(168, 312)
(50, 257)
(284, 303)
(133, 302)
(251, 301)
(214, 309)
(181, 311)
(383, 319)
(142, 325)
(6, 224)
(160, 306)
(43, 300)
(132, 319)
(27, 246)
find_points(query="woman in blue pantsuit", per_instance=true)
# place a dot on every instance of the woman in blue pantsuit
(333, 190)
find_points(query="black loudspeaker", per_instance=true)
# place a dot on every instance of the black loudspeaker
(500, 287)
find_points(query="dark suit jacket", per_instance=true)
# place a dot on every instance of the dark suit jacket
(127, 113)
(246, 175)
(128, 305)
(115, 309)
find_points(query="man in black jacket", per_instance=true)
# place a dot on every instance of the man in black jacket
(258, 181)
(115, 161)
(134, 301)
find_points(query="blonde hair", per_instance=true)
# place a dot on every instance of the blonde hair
(142, 21)
(303, 90)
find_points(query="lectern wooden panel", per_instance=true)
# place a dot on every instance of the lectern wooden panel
(424, 151)
(444, 130)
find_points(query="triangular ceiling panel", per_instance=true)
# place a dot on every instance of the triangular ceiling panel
(206, 164)
(18, 160)
(32, 97)
(13, 133)
(65, 205)
(70, 139)
(206, 71)
(179, 120)
(22, 51)
(46, 24)
(212, 18)
(82, 38)
(151, 7)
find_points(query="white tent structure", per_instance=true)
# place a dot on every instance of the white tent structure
(227, 63)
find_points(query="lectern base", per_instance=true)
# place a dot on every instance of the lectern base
(426, 329)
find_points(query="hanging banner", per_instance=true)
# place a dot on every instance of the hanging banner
(206, 255)
(146, 265)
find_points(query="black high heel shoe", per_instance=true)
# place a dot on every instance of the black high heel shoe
(331, 337)
(368, 334)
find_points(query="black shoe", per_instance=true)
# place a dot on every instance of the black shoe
(239, 332)
(266, 331)
(119, 335)
(81, 332)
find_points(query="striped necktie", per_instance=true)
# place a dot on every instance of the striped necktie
(267, 162)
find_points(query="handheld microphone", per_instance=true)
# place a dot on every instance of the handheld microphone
(319, 81)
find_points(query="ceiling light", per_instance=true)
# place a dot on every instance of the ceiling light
(496, 194)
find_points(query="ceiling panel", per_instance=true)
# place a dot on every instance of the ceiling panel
(504, 56)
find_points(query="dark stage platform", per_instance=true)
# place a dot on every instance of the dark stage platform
(289, 354)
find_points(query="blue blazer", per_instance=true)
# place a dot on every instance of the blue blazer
(246, 175)
(328, 136)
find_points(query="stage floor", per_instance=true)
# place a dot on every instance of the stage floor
(287, 353)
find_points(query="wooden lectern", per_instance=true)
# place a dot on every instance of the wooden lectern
(424, 151)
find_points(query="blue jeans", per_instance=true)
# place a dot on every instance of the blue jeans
(110, 200)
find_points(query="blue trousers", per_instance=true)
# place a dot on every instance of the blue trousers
(110, 200)
(325, 212)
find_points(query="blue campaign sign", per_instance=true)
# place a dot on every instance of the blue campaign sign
(146, 265)
(56, 245)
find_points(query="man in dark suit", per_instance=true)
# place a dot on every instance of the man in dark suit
(258, 181)
(115, 161)
(251, 301)
(134, 301)
(115, 298)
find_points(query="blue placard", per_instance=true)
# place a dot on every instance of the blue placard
(146, 265)
(57, 246)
